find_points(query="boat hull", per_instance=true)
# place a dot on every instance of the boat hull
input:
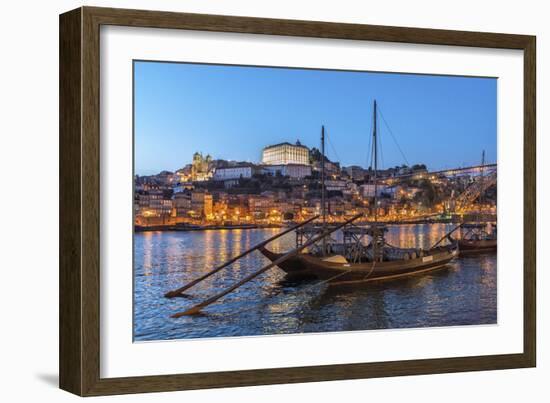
(307, 266)
(468, 247)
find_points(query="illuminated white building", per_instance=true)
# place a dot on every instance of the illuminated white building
(223, 174)
(285, 153)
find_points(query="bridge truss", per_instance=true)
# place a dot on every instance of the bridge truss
(474, 190)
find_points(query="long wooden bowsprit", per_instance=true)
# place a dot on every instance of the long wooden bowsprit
(197, 308)
(175, 293)
(446, 236)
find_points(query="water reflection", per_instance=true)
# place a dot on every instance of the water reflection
(462, 294)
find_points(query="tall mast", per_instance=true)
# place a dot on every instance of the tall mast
(323, 207)
(377, 239)
(375, 145)
(482, 184)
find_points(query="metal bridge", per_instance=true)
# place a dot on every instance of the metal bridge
(475, 189)
(477, 169)
(485, 176)
(470, 170)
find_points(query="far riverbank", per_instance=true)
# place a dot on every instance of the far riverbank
(189, 227)
(139, 228)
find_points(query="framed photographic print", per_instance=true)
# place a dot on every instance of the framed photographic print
(250, 201)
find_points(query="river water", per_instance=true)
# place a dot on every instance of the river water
(463, 293)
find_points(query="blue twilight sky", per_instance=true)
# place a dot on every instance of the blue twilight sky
(232, 112)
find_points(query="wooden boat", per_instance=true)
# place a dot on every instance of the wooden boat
(467, 246)
(375, 261)
(476, 239)
(337, 270)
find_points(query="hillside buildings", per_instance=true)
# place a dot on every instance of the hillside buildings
(285, 186)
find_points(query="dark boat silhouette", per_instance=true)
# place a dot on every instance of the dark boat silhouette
(476, 239)
(478, 236)
(336, 269)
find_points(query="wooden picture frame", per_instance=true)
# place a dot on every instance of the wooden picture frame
(80, 186)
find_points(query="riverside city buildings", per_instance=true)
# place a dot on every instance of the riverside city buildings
(284, 186)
